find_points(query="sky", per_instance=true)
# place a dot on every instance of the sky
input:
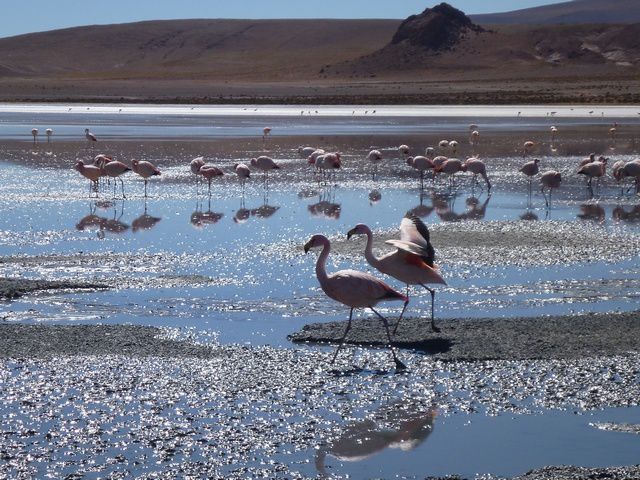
(19, 16)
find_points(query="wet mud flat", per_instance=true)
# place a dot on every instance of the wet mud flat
(16, 287)
(123, 401)
(552, 337)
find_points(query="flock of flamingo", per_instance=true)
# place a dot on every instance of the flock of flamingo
(412, 261)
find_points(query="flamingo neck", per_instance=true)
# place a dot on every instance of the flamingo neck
(321, 271)
(368, 250)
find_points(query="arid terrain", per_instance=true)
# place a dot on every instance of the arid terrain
(437, 56)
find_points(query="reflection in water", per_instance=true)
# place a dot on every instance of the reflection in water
(144, 222)
(199, 218)
(529, 216)
(326, 206)
(421, 210)
(396, 425)
(621, 214)
(374, 197)
(591, 211)
(242, 214)
(103, 224)
(444, 205)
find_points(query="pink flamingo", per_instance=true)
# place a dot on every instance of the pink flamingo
(354, 289)
(594, 169)
(422, 164)
(450, 166)
(90, 172)
(243, 172)
(527, 147)
(265, 164)
(195, 166)
(145, 170)
(411, 263)
(477, 167)
(375, 157)
(114, 169)
(266, 131)
(49, 132)
(34, 132)
(632, 169)
(530, 169)
(404, 150)
(329, 162)
(550, 179)
(209, 172)
(590, 159)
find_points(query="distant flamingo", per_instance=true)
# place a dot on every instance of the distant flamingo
(632, 169)
(329, 162)
(474, 138)
(34, 132)
(243, 172)
(312, 158)
(49, 132)
(527, 147)
(145, 170)
(453, 145)
(530, 169)
(209, 172)
(265, 164)
(477, 167)
(594, 169)
(554, 131)
(404, 150)
(422, 164)
(306, 151)
(195, 166)
(266, 131)
(375, 157)
(90, 172)
(354, 289)
(89, 136)
(114, 169)
(411, 263)
(550, 179)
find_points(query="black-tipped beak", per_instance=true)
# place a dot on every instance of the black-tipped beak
(307, 247)
(351, 233)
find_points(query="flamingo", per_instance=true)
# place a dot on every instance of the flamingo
(265, 164)
(90, 172)
(550, 179)
(243, 172)
(34, 132)
(89, 136)
(354, 289)
(450, 166)
(195, 166)
(590, 159)
(313, 157)
(453, 145)
(477, 167)
(145, 170)
(554, 131)
(328, 161)
(430, 152)
(594, 169)
(114, 169)
(375, 157)
(411, 263)
(49, 132)
(527, 147)
(474, 138)
(306, 151)
(632, 169)
(209, 172)
(443, 144)
(420, 163)
(266, 131)
(530, 169)
(404, 151)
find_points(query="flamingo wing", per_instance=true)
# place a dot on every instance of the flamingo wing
(360, 289)
(414, 231)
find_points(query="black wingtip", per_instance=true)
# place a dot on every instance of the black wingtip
(430, 254)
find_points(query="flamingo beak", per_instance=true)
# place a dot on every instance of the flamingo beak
(307, 247)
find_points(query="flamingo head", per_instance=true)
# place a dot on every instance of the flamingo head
(603, 159)
(254, 162)
(536, 161)
(316, 241)
(410, 161)
(359, 229)
(78, 166)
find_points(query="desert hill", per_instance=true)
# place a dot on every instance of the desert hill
(438, 55)
(574, 12)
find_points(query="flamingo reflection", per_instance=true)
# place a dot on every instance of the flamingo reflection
(200, 218)
(421, 210)
(632, 215)
(144, 221)
(591, 211)
(397, 425)
(326, 206)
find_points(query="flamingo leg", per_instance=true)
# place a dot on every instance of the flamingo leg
(433, 298)
(399, 364)
(344, 336)
(209, 188)
(145, 188)
(395, 329)
(122, 184)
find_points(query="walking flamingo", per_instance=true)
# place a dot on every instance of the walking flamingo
(354, 289)
(34, 132)
(411, 262)
(145, 170)
(49, 132)
(114, 169)
(209, 172)
(477, 167)
(550, 179)
(89, 136)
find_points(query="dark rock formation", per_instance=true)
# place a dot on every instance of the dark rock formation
(436, 28)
